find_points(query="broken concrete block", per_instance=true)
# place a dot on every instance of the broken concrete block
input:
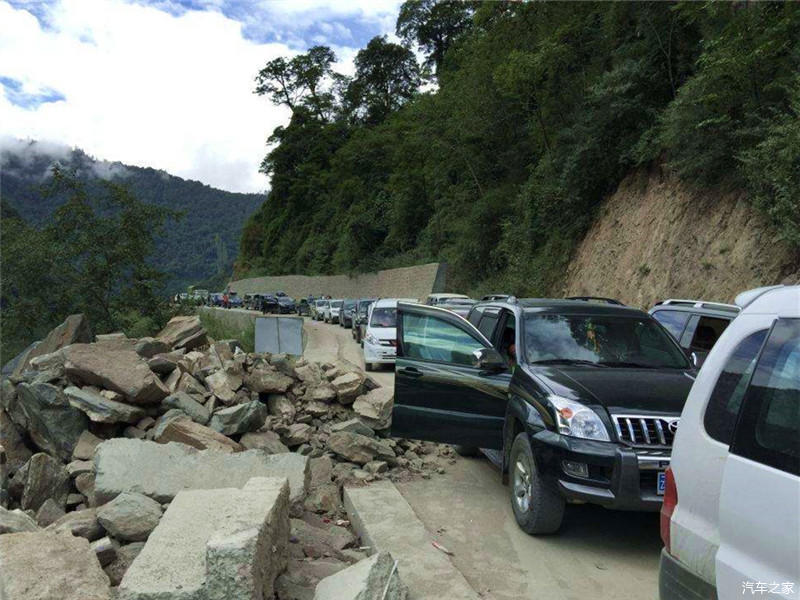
(374, 578)
(160, 471)
(375, 407)
(215, 545)
(44, 565)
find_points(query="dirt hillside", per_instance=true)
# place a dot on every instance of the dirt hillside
(655, 238)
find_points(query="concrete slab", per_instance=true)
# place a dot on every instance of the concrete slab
(374, 578)
(214, 545)
(385, 522)
(160, 471)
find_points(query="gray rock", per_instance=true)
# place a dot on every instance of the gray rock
(374, 578)
(130, 516)
(82, 523)
(122, 371)
(125, 555)
(160, 471)
(320, 393)
(359, 449)
(78, 467)
(376, 466)
(15, 521)
(353, 426)
(108, 337)
(190, 385)
(49, 512)
(47, 478)
(105, 550)
(84, 448)
(268, 441)
(315, 408)
(16, 484)
(44, 565)
(310, 373)
(375, 408)
(163, 364)
(161, 423)
(348, 386)
(296, 434)
(183, 332)
(186, 403)
(266, 380)
(280, 406)
(100, 409)
(148, 347)
(324, 499)
(53, 425)
(84, 483)
(240, 418)
(215, 544)
(197, 436)
(17, 453)
(75, 329)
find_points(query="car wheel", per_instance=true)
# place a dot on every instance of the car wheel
(537, 505)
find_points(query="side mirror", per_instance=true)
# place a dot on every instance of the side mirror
(488, 359)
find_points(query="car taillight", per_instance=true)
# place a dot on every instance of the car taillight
(668, 507)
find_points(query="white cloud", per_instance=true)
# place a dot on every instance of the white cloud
(147, 87)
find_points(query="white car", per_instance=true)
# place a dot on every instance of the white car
(730, 520)
(436, 299)
(380, 333)
(332, 310)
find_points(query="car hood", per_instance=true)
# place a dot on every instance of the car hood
(384, 333)
(621, 390)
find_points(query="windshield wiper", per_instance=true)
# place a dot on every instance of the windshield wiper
(566, 361)
(622, 363)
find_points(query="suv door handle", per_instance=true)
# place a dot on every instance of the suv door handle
(411, 372)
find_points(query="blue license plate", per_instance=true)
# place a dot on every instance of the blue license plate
(662, 483)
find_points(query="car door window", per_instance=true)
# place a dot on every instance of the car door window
(707, 333)
(768, 431)
(430, 338)
(673, 321)
(488, 323)
(507, 339)
(726, 398)
(475, 316)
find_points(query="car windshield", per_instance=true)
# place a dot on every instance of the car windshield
(336, 304)
(458, 302)
(384, 317)
(349, 304)
(607, 341)
(321, 303)
(363, 308)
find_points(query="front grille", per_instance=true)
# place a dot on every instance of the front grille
(639, 430)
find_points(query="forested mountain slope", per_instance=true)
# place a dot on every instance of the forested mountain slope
(534, 114)
(196, 246)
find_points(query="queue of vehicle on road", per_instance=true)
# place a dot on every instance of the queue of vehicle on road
(580, 400)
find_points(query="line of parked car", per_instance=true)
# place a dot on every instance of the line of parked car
(580, 400)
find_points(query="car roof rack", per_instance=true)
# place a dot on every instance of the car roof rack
(596, 299)
(699, 304)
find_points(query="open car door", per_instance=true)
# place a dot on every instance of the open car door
(451, 386)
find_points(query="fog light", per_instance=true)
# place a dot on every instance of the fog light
(576, 469)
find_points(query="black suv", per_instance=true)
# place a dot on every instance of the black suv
(696, 324)
(360, 314)
(574, 400)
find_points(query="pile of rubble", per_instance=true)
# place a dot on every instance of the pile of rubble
(124, 453)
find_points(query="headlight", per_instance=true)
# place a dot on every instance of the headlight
(371, 339)
(579, 421)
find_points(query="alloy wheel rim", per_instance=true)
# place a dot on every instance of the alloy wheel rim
(522, 485)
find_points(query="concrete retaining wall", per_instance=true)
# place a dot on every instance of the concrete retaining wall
(406, 282)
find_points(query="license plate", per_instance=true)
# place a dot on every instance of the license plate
(662, 483)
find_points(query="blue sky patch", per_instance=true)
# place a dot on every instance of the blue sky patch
(17, 95)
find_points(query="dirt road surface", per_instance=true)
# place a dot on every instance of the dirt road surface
(598, 554)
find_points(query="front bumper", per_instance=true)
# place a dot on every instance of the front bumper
(618, 476)
(334, 318)
(677, 582)
(379, 354)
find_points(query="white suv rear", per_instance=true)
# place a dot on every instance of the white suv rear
(730, 520)
(380, 333)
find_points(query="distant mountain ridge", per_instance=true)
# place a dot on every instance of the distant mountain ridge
(199, 246)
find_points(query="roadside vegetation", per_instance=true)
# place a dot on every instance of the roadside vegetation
(222, 328)
(494, 154)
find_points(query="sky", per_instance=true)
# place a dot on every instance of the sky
(166, 84)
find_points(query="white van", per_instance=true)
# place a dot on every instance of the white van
(730, 520)
(380, 334)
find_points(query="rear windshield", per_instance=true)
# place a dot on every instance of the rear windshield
(384, 317)
(607, 341)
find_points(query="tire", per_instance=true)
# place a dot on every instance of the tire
(369, 366)
(537, 505)
(468, 451)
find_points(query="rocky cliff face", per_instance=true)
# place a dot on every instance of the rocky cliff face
(655, 238)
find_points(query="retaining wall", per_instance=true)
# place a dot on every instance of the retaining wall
(406, 282)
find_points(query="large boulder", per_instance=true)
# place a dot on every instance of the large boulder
(266, 380)
(188, 404)
(100, 409)
(45, 565)
(240, 418)
(348, 386)
(53, 425)
(75, 329)
(183, 332)
(375, 408)
(46, 478)
(148, 347)
(197, 436)
(161, 470)
(122, 371)
(374, 578)
(223, 385)
(359, 449)
(130, 516)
